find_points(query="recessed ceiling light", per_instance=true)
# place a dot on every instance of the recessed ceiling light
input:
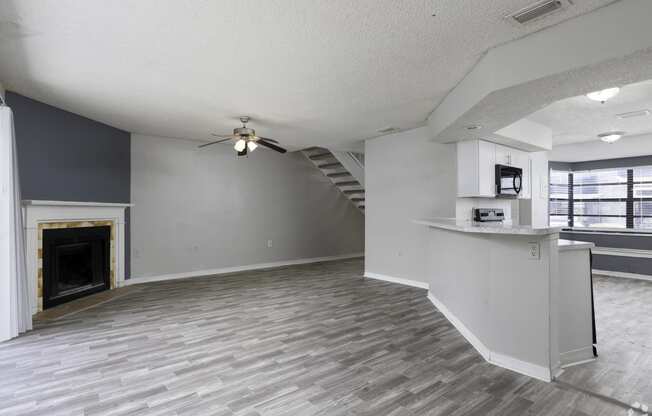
(611, 136)
(603, 95)
(631, 114)
(474, 127)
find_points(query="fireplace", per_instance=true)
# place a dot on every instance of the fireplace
(76, 263)
(41, 216)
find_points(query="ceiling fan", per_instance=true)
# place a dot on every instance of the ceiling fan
(245, 140)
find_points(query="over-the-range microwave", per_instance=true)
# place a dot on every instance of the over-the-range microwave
(509, 181)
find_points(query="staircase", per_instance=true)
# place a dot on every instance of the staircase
(334, 166)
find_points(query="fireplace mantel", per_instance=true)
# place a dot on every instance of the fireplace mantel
(74, 203)
(38, 214)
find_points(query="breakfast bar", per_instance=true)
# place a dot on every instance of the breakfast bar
(500, 285)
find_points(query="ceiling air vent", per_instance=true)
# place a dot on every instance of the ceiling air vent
(535, 11)
(386, 130)
(632, 114)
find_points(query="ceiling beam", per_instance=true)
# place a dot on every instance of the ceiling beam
(609, 46)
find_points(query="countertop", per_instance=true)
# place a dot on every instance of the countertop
(485, 228)
(567, 245)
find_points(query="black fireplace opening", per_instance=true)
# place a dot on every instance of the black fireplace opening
(75, 263)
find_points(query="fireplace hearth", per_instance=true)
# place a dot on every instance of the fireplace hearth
(76, 263)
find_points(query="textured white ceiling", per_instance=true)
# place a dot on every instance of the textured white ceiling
(307, 72)
(578, 119)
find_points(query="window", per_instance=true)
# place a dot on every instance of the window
(642, 197)
(604, 198)
(559, 198)
(600, 198)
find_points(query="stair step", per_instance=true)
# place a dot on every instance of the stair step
(312, 148)
(320, 156)
(357, 199)
(338, 174)
(347, 183)
(353, 191)
(329, 165)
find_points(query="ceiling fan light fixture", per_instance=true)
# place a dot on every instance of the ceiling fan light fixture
(612, 136)
(246, 140)
(240, 145)
(603, 95)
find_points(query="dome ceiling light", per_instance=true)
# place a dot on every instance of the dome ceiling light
(612, 136)
(603, 95)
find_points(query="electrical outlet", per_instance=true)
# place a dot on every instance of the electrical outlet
(136, 253)
(533, 251)
(269, 243)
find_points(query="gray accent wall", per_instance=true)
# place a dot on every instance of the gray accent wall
(637, 242)
(602, 164)
(623, 264)
(638, 265)
(66, 157)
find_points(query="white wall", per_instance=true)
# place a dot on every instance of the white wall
(200, 209)
(464, 207)
(628, 146)
(407, 177)
(534, 211)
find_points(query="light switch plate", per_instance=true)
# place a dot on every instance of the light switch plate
(533, 251)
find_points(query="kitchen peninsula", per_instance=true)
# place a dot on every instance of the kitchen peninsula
(501, 285)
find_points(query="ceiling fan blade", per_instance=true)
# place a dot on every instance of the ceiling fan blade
(264, 142)
(212, 143)
(266, 139)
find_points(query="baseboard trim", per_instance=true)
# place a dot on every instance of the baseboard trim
(523, 367)
(400, 281)
(225, 270)
(623, 274)
(492, 357)
(466, 332)
(578, 356)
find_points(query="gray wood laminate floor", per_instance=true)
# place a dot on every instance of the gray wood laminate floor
(305, 340)
(623, 317)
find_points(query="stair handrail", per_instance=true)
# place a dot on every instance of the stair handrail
(353, 163)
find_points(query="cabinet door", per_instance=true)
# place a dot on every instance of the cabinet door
(467, 168)
(503, 155)
(476, 169)
(486, 169)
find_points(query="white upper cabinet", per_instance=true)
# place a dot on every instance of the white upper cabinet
(503, 155)
(476, 168)
(476, 162)
(511, 157)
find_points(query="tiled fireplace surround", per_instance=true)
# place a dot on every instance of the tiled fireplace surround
(40, 215)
